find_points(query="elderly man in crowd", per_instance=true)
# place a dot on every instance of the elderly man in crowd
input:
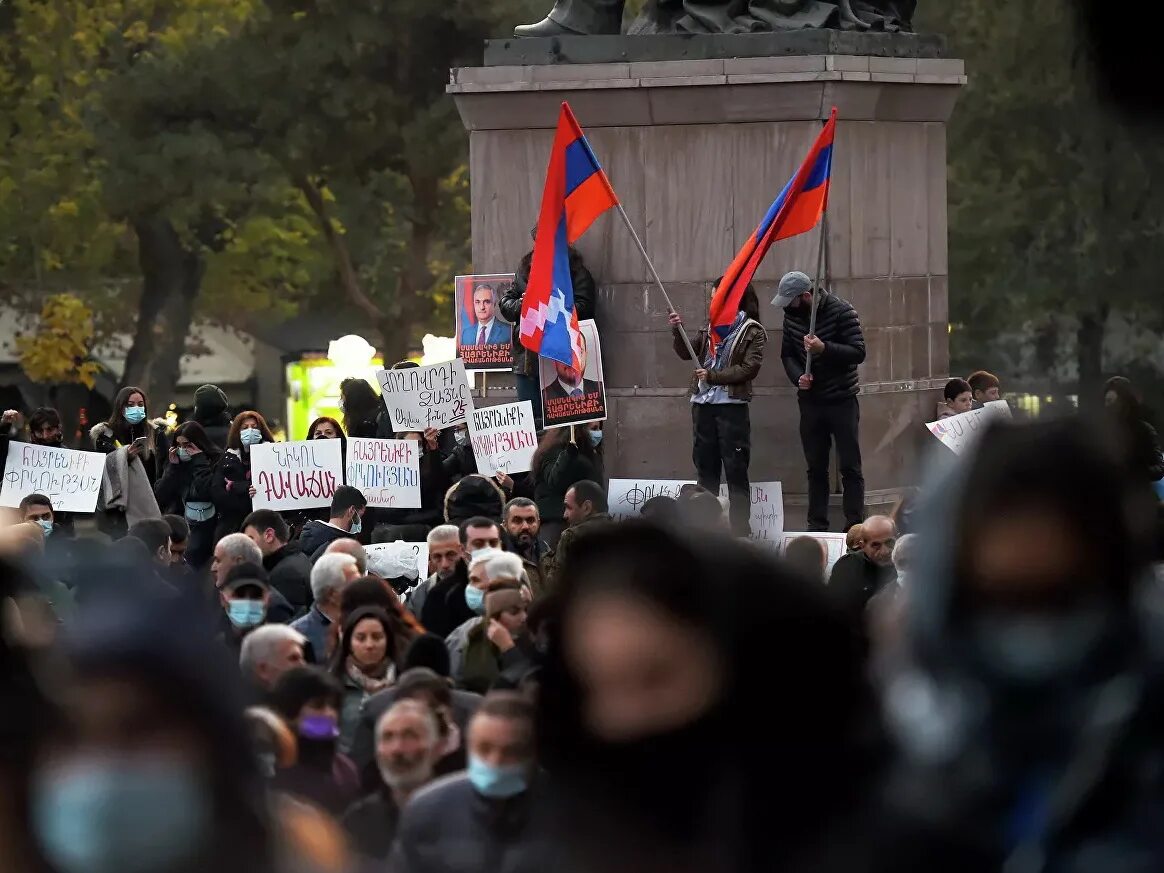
(330, 575)
(267, 653)
(857, 577)
(236, 549)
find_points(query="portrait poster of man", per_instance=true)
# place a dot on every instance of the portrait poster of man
(570, 396)
(484, 338)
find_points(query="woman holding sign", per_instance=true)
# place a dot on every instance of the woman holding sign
(232, 484)
(187, 489)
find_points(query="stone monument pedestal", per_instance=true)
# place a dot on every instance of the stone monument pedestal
(697, 149)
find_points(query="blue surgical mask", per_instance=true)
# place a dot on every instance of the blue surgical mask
(184, 454)
(135, 414)
(461, 436)
(46, 525)
(497, 782)
(357, 524)
(250, 436)
(128, 814)
(595, 437)
(475, 599)
(245, 613)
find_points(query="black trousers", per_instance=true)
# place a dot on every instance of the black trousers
(723, 440)
(820, 425)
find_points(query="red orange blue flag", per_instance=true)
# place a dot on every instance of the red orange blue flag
(797, 210)
(577, 192)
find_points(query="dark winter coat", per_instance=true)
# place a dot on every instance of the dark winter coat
(289, 571)
(746, 357)
(449, 828)
(371, 823)
(232, 497)
(553, 562)
(155, 464)
(834, 371)
(318, 535)
(525, 362)
(560, 469)
(855, 579)
(472, 496)
(186, 482)
(434, 484)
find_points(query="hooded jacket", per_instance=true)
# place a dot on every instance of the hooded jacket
(318, 535)
(525, 362)
(834, 371)
(472, 496)
(210, 411)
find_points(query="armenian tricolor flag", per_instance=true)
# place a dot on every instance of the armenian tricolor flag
(576, 193)
(797, 210)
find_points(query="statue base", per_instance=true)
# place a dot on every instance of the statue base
(697, 149)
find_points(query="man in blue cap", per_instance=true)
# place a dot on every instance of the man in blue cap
(828, 395)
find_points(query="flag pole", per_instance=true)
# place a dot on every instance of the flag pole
(670, 306)
(824, 234)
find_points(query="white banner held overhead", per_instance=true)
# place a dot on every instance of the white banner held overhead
(299, 475)
(70, 479)
(958, 431)
(386, 471)
(418, 398)
(504, 438)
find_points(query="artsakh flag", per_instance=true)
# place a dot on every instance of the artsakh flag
(797, 210)
(576, 193)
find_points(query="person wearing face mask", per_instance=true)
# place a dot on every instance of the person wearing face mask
(308, 699)
(245, 597)
(138, 453)
(323, 428)
(494, 640)
(364, 663)
(407, 748)
(44, 429)
(489, 818)
(829, 410)
(233, 490)
(187, 489)
(721, 391)
(345, 519)
(1028, 699)
(565, 455)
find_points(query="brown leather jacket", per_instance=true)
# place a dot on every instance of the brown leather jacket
(743, 366)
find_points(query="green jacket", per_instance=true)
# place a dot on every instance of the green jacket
(554, 561)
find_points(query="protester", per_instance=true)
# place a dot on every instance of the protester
(484, 646)
(475, 495)
(649, 715)
(585, 511)
(330, 575)
(461, 460)
(1139, 441)
(407, 746)
(721, 390)
(827, 397)
(246, 598)
(361, 407)
(702, 510)
(235, 550)
(1028, 704)
(187, 488)
(308, 698)
(346, 519)
(44, 429)
(155, 533)
(808, 556)
(855, 539)
(523, 523)
(434, 485)
(179, 540)
(525, 363)
(564, 456)
(857, 577)
(137, 452)
(39, 509)
(36, 535)
(211, 412)
(439, 602)
(489, 818)
(958, 398)
(326, 428)
(363, 663)
(287, 567)
(984, 388)
(351, 547)
(663, 510)
(267, 653)
(233, 489)
(480, 533)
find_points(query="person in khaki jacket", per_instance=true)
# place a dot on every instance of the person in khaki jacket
(721, 390)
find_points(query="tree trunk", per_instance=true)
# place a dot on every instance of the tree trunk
(171, 281)
(1089, 356)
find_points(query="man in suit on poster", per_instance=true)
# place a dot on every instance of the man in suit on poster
(486, 328)
(571, 382)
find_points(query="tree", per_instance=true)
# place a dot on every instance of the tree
(58, 352)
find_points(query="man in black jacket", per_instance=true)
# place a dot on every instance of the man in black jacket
(857, 577)
(828, 396)
(525, 362)
(288, 568)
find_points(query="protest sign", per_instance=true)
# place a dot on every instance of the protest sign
(570, 396)
(418, 398)
(503, 437)
(834, 543)
(300, 475)
(393, 560)
(484, 338)
(958, 431)
(767, 515)
(626, 497)
(386, 471)
(68, 478)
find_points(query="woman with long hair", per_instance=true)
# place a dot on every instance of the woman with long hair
(233, 490)
(564, 456)
(187, 488)
(364, 663)
(361, 407)
(323, 428)
(144, 442)
(1141, 445)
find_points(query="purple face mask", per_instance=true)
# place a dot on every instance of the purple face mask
(318, 727)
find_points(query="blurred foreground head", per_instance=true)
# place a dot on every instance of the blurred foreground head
(655, 723)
